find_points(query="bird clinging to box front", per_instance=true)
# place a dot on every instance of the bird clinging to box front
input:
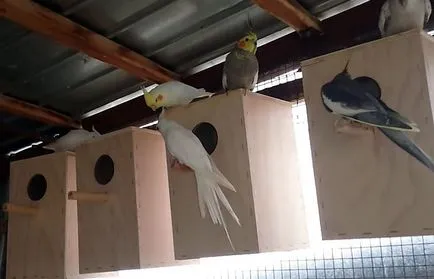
(188, 150)
(241, 67)
(398, 16)
(172, 93)
(359, 100)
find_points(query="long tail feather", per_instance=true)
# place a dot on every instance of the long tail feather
(409, 146)
(221, 179)
(209, 194)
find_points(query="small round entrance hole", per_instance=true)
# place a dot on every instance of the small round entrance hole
(207, 135)
(37, 187)
(104, 169)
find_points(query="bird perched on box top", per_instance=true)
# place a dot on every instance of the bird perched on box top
(172, 93)
(241, 67)
(71, 140)
(188, 150)
(398, 16)
(359, 100)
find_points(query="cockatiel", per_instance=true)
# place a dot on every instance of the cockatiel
(241, 67)
(398, 16)
(71, 140)
(172, 93)
(359, 100)
(187, 149)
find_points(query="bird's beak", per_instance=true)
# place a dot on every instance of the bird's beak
(153, 107)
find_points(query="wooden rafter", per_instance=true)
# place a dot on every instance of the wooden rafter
(30, 111)
(62, 30)
(291, 13)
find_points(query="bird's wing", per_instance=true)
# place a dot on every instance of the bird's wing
(186, 147)
(401, 139)
(427, 10)
(384, 17)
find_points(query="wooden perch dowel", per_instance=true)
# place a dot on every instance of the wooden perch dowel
(20, 209)
(90, 197)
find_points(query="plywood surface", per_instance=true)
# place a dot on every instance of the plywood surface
(44, 245)
(121, 233)
(277, 192)
(261, 165)
(153, 201)
(366, 185)
(197, 237)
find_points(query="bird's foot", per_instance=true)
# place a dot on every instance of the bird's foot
(347, 126)
(177, 165)
(245, 92)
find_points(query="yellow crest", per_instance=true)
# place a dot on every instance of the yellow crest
(248, 42)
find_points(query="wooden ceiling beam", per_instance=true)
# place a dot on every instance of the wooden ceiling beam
(291, 13)
(34, 112)
(64, 31)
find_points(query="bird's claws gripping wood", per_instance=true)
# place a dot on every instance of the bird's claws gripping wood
(347, 126)
(177, 165)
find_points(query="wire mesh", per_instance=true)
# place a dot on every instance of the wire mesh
(399, 257)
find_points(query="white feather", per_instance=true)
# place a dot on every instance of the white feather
(178, 93)
(71, 140)
(182, 144)
(396, 18)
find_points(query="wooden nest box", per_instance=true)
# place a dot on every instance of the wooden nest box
(124, 219)
(251, 140)
(367, 186)
(42, 232)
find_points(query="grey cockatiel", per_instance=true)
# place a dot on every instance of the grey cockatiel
(398, 16)
(241, 67)
(359, 99)
(71, 140)
(187, 149)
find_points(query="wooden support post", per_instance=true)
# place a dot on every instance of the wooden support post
(291, 13)
(64, 31)
(30, 111)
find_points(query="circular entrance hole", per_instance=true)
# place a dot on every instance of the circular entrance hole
(104, 169)
(207, 135)
(37, 187)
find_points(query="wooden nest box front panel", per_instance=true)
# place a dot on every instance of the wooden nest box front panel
(123, 200)
(251, 140)
(42, 233)
(367, 186)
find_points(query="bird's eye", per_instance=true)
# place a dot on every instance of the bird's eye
(247, 39)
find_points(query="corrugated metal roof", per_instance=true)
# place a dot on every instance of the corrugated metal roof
(178, 34)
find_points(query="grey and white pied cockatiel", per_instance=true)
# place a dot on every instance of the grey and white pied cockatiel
(188, 150)
(398, 16)
(359, 100)
(71, 140)
(241, 67)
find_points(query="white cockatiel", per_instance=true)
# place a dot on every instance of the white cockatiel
(398, 16)
(187, 149)
(71, 140)
(172, 93)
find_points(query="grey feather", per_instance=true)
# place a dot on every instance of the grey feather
(240, 70)
(400, 16)
(403, 141)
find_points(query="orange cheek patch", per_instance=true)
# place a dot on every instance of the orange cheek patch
(241, 44)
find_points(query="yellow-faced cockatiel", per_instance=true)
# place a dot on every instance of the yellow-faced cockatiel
(241, 68)
(172, 93)
(188, 150)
